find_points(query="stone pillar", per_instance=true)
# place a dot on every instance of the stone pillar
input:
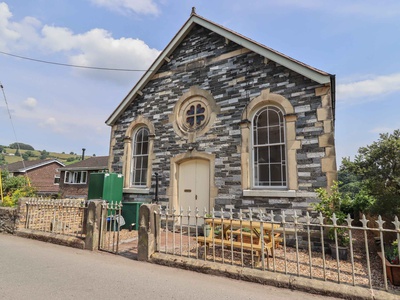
(93, 223)
(148, 231)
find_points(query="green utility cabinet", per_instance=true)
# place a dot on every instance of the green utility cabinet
(130, 212)
(106, 186)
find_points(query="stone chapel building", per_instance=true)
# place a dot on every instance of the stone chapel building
(225, 122)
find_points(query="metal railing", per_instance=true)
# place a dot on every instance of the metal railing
(111, 221)
(296, 245)
(66, 216)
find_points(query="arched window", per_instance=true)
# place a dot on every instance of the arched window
(269, 149)
(140, 157)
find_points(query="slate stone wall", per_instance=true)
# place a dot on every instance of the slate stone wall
(233, 82)
(8, 217)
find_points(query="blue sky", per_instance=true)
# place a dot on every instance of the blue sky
(59, 108)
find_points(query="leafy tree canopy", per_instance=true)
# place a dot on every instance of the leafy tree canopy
(15, 187)
(22, 146)
(378, 168)
(44, 154)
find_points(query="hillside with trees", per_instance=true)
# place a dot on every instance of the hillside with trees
(18, 152)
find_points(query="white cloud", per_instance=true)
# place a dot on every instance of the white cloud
(50, 121)
(98, 48)
(30, 103)
(383, 130)
(147, 7)
(95, 47)
(16, 35)
(53, 125)
(367, 89)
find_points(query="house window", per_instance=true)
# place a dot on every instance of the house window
(269, 149)
(76, 177)
(140, 157)
(56, 179)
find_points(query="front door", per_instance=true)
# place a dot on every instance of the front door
(194, 185)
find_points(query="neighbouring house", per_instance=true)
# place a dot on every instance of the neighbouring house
(227, 122)
(74, 178)
(43, 174)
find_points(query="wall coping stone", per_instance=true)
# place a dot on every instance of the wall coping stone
(53, 238)
(273, 279)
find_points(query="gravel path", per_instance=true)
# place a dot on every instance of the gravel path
(295, 264)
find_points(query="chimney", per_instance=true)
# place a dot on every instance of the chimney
(83, 153)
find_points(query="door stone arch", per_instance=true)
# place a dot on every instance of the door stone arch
(180, 163)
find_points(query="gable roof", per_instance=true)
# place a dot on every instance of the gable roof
(284, 60)
(27, 165)
(90, 164)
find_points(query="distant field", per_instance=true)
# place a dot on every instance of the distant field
(66, 159)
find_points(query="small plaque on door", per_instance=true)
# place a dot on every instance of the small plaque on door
(187, 191)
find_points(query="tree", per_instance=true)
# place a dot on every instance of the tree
(15, 187)
(44, 154)
(30, 153)
(21, 146)
(17, 152)
(378, 167)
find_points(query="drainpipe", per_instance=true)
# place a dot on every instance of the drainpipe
(156, 191)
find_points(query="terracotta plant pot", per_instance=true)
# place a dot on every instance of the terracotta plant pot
(392, 271)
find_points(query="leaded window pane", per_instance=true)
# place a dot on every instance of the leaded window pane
(195, 115)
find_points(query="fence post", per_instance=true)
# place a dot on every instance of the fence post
(94, 214)
(148, 231)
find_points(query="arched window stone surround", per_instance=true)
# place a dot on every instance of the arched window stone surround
(172, 190)
(267, 98)
(212, 110)
(138, 122)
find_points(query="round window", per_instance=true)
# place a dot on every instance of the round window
(194, 114)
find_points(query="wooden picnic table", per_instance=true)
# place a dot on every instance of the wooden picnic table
(260, 237)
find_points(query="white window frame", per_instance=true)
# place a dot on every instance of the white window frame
(254, 146)
(142, 182)
(56, 179)
(75, 177)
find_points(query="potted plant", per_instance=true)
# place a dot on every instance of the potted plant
(330, 204)
(392, 263)
(207, 226)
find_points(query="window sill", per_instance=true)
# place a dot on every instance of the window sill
(278, 193)
(136, 191)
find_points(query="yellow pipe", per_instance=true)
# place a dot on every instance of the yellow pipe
(27, 178)
(1, 188)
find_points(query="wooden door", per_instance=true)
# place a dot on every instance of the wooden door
(194, 185)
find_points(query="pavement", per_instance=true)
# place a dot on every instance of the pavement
(32, 269)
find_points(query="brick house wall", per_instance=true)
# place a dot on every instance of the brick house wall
(42, 178)
(233, 83)
(69, 190)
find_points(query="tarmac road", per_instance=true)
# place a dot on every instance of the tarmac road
(32, 269)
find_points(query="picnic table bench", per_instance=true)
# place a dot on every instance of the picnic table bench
(243, 235)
